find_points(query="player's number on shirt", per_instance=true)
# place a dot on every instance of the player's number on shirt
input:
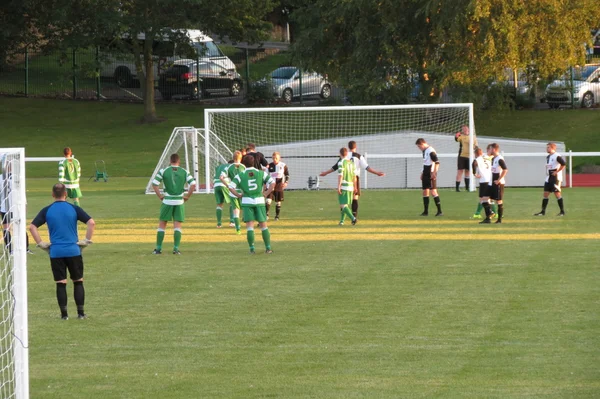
(252, 184)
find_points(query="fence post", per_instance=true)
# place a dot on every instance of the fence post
(300, 85)
(198, 87)
(26, 72)
(571, 168)
(572, 90)
(74, 75)
(98, 95)
(247, 71)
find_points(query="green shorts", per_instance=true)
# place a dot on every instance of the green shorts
(235, 202)
(345, 198)
(172, 212)
(255, 212)
(74, 193)
(222, 195)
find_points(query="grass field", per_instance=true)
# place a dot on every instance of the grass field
(395, 307)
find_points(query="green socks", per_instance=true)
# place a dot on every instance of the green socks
(177, 239)
(266, 238)
(346, 211)
(76, 202)
(250, 238)
(219, 215)
(230, 214)
(237, 223)
(479, 208)
(160, 236)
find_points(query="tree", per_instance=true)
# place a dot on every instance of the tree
(373, 45)
(120, 23)
(17, 30)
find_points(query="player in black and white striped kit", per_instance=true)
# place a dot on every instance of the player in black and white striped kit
(429, 177)
(499, 171)
(554, 167)
(279, 172)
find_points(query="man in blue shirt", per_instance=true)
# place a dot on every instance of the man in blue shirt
(64, 246)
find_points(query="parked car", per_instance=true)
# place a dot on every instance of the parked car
(181, 80)
(285, 83)
(586, 88)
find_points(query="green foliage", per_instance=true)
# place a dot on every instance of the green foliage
(260, 93)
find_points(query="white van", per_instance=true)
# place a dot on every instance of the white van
(122, 69)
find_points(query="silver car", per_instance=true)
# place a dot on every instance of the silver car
(586, 88)
(285, 82)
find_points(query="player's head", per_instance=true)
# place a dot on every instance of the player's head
(67, 152)
(242, 151)
(464, 130)
(421, 143)
(251, 147)
(248, 161)
(237, 157)
(343, 152)
(478, 152)
(59, 191)
(489, 149)
(495, 148)
(352, 145)
(276, 157)
(551, 148)
(174, 159)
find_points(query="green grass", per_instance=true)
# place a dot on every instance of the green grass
(395, 307)
(111, 131)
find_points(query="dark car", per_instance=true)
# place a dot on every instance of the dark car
(181, 80)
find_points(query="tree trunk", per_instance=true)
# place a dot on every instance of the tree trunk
(148, 85)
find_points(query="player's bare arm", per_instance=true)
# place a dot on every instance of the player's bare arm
(325, 173)
(157, 192)
(375, 172)
(191, 190)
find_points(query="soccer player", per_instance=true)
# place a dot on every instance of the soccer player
(233, 169)
(464, 151)
(279, 172)
(174, 179)
(260, 161)
(554, 167)
(251, 182)
(488, 159)
(359, 163)
(346, 185)
(483, 171)
(499, 171)
(64, 246)
(69, 172)
(431, 166)
(221, 191)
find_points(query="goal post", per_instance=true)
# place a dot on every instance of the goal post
(14, 369)
(309, 139)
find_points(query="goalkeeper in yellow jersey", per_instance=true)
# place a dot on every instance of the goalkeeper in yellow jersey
(464, 152)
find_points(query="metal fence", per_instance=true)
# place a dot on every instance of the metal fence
(235, 75)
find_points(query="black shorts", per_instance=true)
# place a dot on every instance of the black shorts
(552, 185)
(462, 163)
(357, 187)
(497, 191)
(276, 196)
(484, 190)
(60, 266)
(428, 183)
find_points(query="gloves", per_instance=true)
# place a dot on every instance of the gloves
(84, 243)
(45, 246)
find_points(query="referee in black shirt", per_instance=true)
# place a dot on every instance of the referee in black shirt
(260, 161)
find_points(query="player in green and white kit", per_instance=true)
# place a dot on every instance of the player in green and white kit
(174, 179)
(227, 177)
(221, 191)
(346, 185)
(69, 171)
(251, 182)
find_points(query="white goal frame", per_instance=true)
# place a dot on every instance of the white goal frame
(20, 326)
(211, 135)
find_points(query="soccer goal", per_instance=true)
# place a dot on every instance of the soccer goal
(309, 139)
(14, 365)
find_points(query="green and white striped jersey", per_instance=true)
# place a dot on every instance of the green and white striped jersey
(232, 171)
(69, 171)
(174, 179)
(347, 170)
(218, 171)
(251, 183)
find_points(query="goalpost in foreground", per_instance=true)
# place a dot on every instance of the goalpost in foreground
(14, 364)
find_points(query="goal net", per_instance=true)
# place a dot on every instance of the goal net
(309, 139)
(14, 370)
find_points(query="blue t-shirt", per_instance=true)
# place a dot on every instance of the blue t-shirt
(62, 218)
